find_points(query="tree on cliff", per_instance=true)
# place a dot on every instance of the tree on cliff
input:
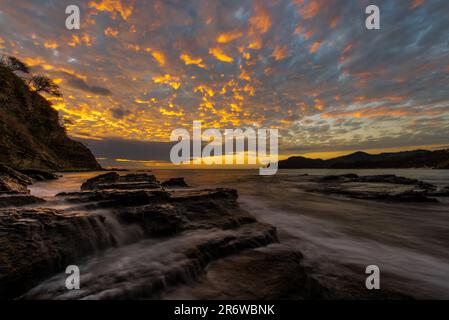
(14, 64)
(36, 83)
(45, 84)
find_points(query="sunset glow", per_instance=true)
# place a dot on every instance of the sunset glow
(136, 70)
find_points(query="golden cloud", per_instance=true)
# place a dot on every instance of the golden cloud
(113, 7)
(229, 36)
(280, 52)
(188, 60)
(159, 57)
(169, 80)
(50, 44)
(220, 55)
(111, 32)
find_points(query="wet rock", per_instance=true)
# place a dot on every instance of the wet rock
(113, 180)
(175, 183)
(340, 178)
(389, 188)
(386, 178)
(92, 183)
(440, 192)
(204, 209)
(412, 197)
(12, 181)
(115, 198)
(39, 242)
(244, 276)
(18, 200)
(39, 175)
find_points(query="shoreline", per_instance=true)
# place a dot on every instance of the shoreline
(123, 194)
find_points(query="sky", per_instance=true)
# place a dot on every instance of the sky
(136, 70)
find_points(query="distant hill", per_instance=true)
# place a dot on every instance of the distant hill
(361, 160)
(30, 134)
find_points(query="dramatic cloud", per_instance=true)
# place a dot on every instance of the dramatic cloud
(79, 83)
(139, 69)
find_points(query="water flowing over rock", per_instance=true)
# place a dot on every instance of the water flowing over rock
(203, 225)
(39, 242)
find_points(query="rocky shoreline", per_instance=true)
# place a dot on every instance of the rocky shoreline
(39, 241)
(385, 188)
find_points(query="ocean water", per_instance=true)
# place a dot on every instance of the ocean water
(338, 236)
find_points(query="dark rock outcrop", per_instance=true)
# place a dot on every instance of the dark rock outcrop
(388, 188)
(39, 175)
(115, 198)
(12, 181)
(175, 183)
(30, 133)
(19, 200)
(113, 180)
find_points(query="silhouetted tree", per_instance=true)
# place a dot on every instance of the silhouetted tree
(45, 84)
(14, 64)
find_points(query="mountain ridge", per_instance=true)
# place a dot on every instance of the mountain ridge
(438, 159)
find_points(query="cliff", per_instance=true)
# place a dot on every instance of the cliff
(30, 133)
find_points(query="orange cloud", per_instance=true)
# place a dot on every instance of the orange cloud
(229, 36)
(416, 3)
(319, 104)
(205, 90)
(280, 52)
(244, 76)
(113, 7)
(334, 22)
(159, 57)
(220, 55)
(170, 113)
(169, 80)
(188, 60)
(260, 22)
(76, 40)
(315, 46)
(50, 44)
(345, 53)
(134, 47)
(86, 39)
(311, 9)
(255, 44)
(111, 32)
(373, 112)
